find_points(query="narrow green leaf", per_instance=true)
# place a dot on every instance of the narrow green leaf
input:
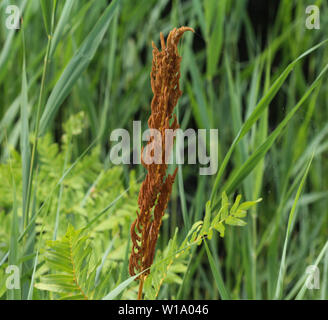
(260, 152)
(46, 7)
(114, 293)
(217, 275)
(282, 269)
(76, 66)
(261, 106)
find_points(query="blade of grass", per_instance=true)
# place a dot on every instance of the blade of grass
(13, 256)
(63, 20)
(291, 219)
(24, 139)
(255, 158)
(217, 275)
(261, 106)
(301, 293)
(46, 7)
(37, 122)
(30, 292)
(76, 66)
(215, 40)
(114, 293)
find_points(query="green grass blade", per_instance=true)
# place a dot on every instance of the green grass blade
(215, 40)
(217, 275)
(76, 66)
(282, 269)
(114, 293)
(63, 20)
(46, 7)
(261, 106)
(24, 139)
(324, 250)
(13, 256)
(256, 157)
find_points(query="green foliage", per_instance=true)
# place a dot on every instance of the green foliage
(2, 282)
(168, 266)
(76, 66)
(172, 262)
(72, 269)
(93, 201)
(227, 215)
(261, 82)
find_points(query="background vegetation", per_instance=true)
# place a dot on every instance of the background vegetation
(66, 210)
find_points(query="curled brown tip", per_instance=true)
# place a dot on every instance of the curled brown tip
(184, 29)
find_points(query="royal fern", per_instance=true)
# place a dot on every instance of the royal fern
(72, 271)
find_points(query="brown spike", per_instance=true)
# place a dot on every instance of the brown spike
(156, 189)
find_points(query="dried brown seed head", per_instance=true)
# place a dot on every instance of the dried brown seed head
(156, 189)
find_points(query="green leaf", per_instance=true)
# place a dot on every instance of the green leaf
(220, 228)
(240, 213)
(114, 293)
(224, 206)
(76, 66)
(70, 258)
(282, 269)
(235, 205)
(24, 139)
(215, 40)
(248, 204)
(235, 221)
(261, 151)
(255, 115)
(63, 20)
(46, 6)
(217, 275)
(207, 218)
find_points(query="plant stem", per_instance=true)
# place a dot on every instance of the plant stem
(141, 282)
(37, 122)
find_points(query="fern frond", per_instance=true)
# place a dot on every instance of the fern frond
(169, 264)
(161, 269)
(225, 216)
(70, 258)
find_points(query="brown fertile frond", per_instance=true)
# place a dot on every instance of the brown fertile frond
(156, 189)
